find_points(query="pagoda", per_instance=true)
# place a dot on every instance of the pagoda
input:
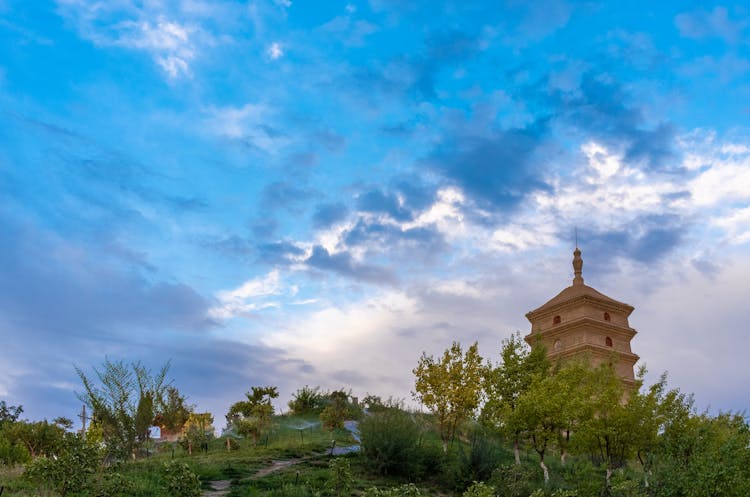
(583, 322)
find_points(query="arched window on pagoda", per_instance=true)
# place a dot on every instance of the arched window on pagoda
(606, 316)
(556, 320)
(608, 342)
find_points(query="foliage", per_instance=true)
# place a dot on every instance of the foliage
(113, 484)
(307, 400)
(69, 470)
(336, 412)
(11, 451)
(450, 387)
(516, 480)
(9, 414)
(180, 480)
(341, 480)
(173, 411)
(474, 461)
(122, 402)
(197, 431)
(252, 416)
(479, 489)
(520, 367)
(389, 441)
(702, 456)
(407, 490)
(39, 438)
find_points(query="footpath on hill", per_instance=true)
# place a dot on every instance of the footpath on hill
(220, 488)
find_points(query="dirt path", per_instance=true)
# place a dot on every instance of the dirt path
(275, 466)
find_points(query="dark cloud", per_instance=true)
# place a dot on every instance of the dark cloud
(329, 214)
(395, 241)
(647, 239)
(344, 264)
(496, 170)
(284, 195)
(380, 202)
(602, 108)
(278, 253)
(58, 287)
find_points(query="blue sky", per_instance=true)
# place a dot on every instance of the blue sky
(293, 192)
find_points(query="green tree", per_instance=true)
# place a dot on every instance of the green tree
(197, 431)
(173, 411)
(307, 400)
(450, 387)
(335, 413)
(9, 414)
(252, 416)
(115, 400)
(520, 366)
(40, 438)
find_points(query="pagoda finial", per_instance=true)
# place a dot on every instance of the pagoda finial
(577, 267)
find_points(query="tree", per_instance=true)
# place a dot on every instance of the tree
(173, 412)
(9, 414)
(519, 368)
(335, 413)
(197, 431)
(122, 396)
(40, 438)
(450, 387)
(250, 417)
(307, 400)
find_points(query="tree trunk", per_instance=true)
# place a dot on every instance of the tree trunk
(563, 456)
(609, 476)
(229, 445)
(545, 470)
(516, 452)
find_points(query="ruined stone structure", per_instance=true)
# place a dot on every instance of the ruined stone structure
(582, 322)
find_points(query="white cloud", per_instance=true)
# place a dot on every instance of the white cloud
(248, 297)
(250, 123)
(275, 51)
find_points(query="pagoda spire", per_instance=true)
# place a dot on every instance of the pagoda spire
(577, 267)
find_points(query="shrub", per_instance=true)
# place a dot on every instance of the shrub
(408, 490)
(389, 441)
(464, 464)
(340, 483)
(180, 480)
(514, 480)
(114, 484)
(479, 489)
(70, 470)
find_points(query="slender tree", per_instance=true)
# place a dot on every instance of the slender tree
(450, 387)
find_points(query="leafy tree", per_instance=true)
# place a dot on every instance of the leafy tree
(9, 414)
(40, 438)
(519, 368)
(197, 431)
(115, 400)
(450, 387)
(335, 413)
(307, 400)
(173, 412)
(252, 416)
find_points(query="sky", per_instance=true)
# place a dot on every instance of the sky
(295, 192)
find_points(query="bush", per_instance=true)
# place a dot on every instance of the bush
(514, 480)
(408, 490)
(389, 442)
(465, 464)
(340, 483)
(113, 484)
(479, 489)
(70, 470)
(180, 480)
(12, 453)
